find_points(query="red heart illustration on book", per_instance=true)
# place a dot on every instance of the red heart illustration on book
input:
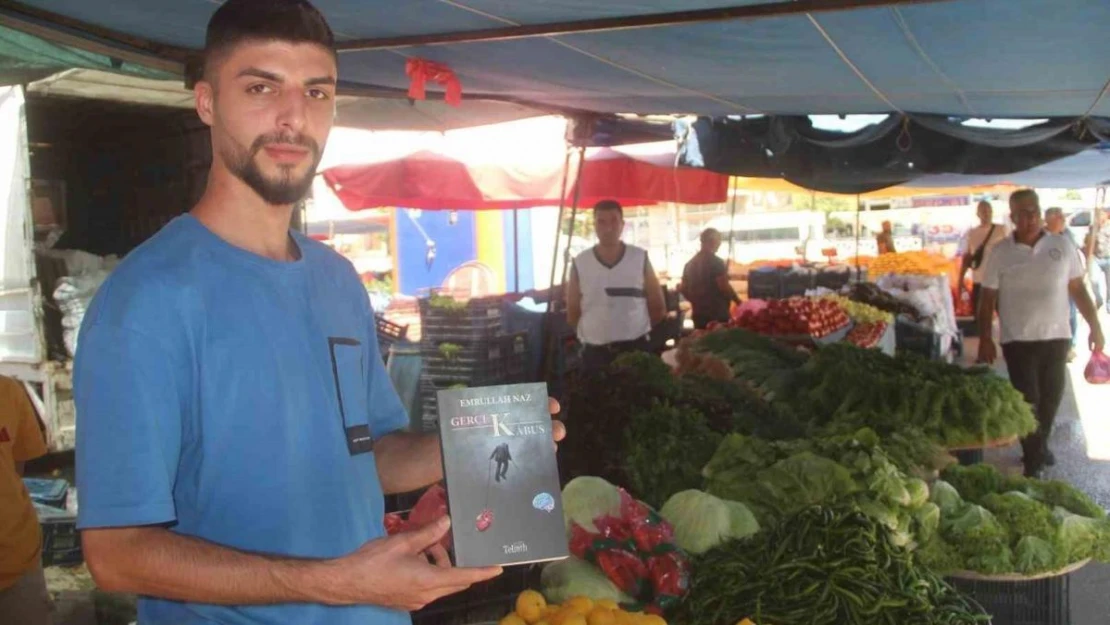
(484, 520)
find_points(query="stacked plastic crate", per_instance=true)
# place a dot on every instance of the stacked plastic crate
(463, 344)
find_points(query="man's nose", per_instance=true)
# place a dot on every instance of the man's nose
(293, 110)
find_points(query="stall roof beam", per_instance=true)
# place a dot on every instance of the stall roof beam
(677, 18)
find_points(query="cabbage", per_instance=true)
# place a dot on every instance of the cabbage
(587, 498)
(702, 521)
(979, 538)
(945, 496)
(928, 520)
(890, 484)
(572, 577)
(1078, 537)
(919, 492)
(1035, 555)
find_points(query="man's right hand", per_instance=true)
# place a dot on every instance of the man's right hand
(394, 571)
(988, 352)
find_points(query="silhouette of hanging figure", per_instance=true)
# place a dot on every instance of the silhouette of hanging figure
(502, 457)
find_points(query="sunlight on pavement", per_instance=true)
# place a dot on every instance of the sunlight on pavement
(1092, 401)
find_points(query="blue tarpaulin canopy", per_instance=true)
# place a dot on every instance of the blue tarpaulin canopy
(928, 63)
(985, 58)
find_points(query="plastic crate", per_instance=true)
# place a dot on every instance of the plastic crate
(61, 544)
(1040, 602)
(765, 283)
(388, 333)
(486, 602)
(837, 277)
(797, 281)
(48, 492)
(918, 339)
(479, 320)
(969, 456)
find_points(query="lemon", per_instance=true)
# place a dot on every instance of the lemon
(601, 616)
(581, 605)
(574, 619)
(530, 606)
(608, 604)
(512, 619)
(652, 619)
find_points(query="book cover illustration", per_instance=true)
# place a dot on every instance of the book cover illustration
(502, 479)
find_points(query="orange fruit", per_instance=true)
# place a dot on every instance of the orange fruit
(530, 606)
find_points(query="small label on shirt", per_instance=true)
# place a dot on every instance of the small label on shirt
(359, 440)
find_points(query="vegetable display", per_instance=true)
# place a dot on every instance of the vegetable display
(996, 524)
(702, 521)
(778, 479)
(825, 566)
(636, 550)
(665, 448)
(870, 294)
(795, 316)
(867, 335)
(951, 405)
(860, 312)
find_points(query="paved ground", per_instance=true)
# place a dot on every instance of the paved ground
(1081, 442)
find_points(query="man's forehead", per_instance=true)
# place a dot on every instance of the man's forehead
(282, 58)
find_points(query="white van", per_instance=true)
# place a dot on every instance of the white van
(79, 174)
(769, 236)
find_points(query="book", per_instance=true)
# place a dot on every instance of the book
(502, 478)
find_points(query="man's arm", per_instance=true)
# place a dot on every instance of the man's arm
(723, 285)
(965, 264)
(408, 461)
(574, 299)
(656, 303)
(391, 572)
(988, 301)
(1086, 307)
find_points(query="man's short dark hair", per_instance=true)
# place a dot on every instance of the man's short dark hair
(1022, 194)
(708, 235)
(609, 205)
(240, 21)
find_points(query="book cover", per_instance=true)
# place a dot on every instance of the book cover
(502, 479)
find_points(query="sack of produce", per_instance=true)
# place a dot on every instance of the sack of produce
(631, 543)
(1098, 369)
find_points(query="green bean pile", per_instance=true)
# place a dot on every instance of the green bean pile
(825, 566)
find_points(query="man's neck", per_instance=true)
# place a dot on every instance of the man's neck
(610, 248)
(238, 215)
(1029, 240)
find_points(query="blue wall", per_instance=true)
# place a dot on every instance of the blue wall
(454, 246)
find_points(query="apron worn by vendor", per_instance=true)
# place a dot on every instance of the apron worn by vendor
(615, 317)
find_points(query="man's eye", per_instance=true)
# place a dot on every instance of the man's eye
(318, 94)
(259, 89)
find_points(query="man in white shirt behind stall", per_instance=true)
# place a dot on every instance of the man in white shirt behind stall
(976, 247)
(614, 298)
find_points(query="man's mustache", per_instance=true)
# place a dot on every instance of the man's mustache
(283, 139)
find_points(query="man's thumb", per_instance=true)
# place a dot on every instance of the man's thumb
(430, 534)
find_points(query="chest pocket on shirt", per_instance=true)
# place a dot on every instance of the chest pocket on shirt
(351, 394)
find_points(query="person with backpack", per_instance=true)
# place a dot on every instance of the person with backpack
(976, 249)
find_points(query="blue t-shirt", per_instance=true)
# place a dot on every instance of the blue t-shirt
(209, 383)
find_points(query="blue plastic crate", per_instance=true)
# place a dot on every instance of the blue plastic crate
(61, 543)
(47, 492)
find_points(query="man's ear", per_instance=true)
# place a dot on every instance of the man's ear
(205, 97)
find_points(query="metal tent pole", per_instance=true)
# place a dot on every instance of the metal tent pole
(732, 215)
(858, 202)
(516, 252)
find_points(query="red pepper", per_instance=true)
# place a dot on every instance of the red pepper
(394, 523)
(581, 541)
(624, 569)
(670, 576)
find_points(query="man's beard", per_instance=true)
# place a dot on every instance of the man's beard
(280, 191)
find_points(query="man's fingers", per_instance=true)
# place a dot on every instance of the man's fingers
(558, 430)
(553, 406)
(439, 556)
(422, 539)
(460, 578)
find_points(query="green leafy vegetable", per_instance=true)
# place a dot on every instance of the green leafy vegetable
(918, 491)
(572, 577)
(928, 521)
(976, 481)
(1079, 537)
(1035, 555)
(946, 497)
(702, 521)
(979, 538)
(823, 566)
(1056, 493)
(665, 448)
(587, 498)
(1021, 515)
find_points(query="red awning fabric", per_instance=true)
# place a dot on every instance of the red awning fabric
(632, 175)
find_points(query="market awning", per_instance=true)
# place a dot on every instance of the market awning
(352, 111)
(636, 175)
(982, 58)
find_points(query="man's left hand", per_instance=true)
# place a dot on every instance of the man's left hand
(1097, 340)
(558, 430)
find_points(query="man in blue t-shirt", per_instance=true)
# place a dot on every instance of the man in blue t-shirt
(236, 426)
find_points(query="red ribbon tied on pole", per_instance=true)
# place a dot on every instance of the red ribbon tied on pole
(420, 71)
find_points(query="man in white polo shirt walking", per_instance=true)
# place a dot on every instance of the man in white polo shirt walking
(1031, 276)
(613, 297)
